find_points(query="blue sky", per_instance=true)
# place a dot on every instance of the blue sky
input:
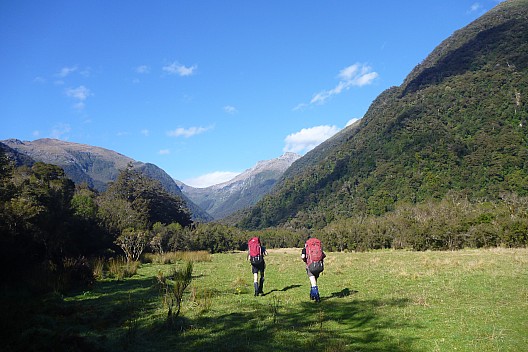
(205, 88)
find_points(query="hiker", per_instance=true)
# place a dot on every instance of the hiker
(256, 253)
(312, 254)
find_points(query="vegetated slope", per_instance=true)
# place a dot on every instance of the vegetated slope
(457, 123)
(94, 166)
(242, 191)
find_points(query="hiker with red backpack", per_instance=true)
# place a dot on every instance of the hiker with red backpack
(312, 254)
(256, 253)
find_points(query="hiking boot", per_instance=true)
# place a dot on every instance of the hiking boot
(256, 288)
(313, 293)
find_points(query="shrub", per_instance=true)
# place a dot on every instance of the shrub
(75, 274)
(119, 268)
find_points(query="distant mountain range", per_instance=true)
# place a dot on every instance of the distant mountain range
(94, 166)
(458, 123)
(97, 167)
(243, 191)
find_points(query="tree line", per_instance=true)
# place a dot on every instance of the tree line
(50, 227)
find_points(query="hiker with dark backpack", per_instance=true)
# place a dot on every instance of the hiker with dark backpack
(256, 253)
(312, 254)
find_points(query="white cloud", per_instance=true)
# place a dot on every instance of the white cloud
(143, 69)
(356, 75)
(300, 106)
(145, 132)
(352, 121)
(60, 130)
(230, 109)
(178, 69)
(39, 79)
(308, 138)
(164, 152)
(66, 71)
(475, 7)
(187, 132)
(211, 179)
(80, 94)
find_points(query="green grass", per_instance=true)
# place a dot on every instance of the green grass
(470, 300)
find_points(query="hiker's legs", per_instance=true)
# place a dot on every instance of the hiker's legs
(254, 269)
(313, 280)
(258, 284)
(314, 290)
(261, 282)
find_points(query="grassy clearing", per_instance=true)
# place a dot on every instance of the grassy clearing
(470, 300)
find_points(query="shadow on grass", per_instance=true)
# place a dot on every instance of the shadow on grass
(341, 294)
(107, 314)
(334, 325)
(282, 290)
(112, 317)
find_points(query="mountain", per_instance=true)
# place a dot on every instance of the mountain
(18, 158)
(93, 165)
(241, 192)
(458, 123)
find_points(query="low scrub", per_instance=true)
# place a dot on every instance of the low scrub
(119, 268)
(174, 257)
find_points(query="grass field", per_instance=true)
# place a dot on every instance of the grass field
(470, 300)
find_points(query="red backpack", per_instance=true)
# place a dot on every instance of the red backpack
(255, 252)
(314, 251)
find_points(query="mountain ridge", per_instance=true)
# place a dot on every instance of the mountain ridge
(95, 166)
(456, 124)
(242, 191)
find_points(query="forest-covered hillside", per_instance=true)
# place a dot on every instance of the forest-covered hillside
(457, 124)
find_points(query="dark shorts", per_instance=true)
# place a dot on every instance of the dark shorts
(259, 267)
(315, 274)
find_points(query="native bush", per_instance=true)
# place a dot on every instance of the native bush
(172, 288)
(119, 268)
(75, 274)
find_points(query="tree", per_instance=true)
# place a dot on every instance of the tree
(137, 201)
(133, 243)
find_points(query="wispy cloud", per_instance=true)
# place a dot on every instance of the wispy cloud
(230, 109)
(164, 152)
(145, 132)
(39, 79)
(187, 132)
(210, 179)
(66, 71)
(308, 138)
(357, 75)
(59, 131)
(79, 94)
(475, 7)
(143, 69)
(181, 70)
(352, 121)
